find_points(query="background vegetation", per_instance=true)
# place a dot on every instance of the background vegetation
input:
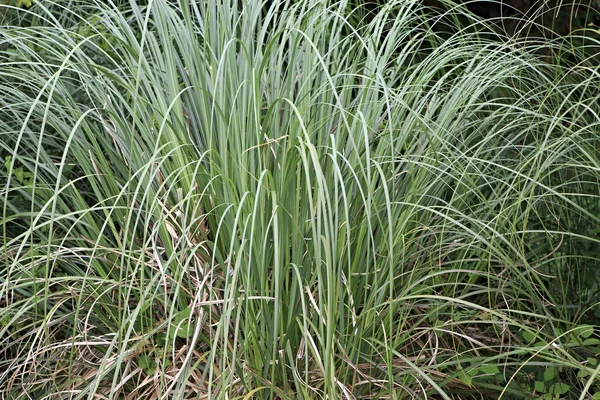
(296, 199)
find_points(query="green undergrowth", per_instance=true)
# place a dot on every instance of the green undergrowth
(281, 200)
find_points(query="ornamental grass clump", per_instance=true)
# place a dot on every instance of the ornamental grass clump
(294, 199)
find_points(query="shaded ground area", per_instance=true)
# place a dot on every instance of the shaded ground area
(555, 17)
(548, 19)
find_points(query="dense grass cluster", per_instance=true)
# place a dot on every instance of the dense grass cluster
(294, 199)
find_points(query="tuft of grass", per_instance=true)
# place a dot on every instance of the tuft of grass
(293, 199)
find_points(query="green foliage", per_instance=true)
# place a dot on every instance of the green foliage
(22, 177)
(19, 3)
(297, 199)
(181, 326)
